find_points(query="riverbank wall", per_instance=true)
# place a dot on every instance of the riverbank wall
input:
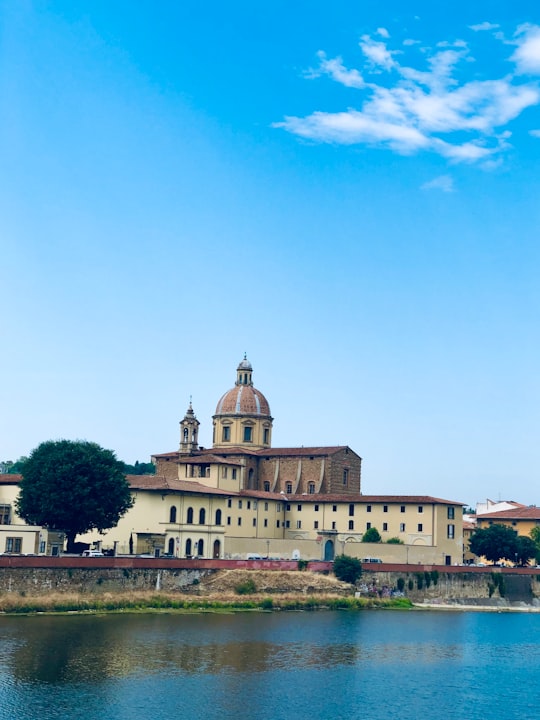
(458, 585)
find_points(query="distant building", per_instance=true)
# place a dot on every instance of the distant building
(242, 496)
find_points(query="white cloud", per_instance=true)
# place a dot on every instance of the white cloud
(442, 182)
(484, 26)
(337, 71)
(383, 32)
(409, 109)
(377, 53)
(410, 41)
(535, 133)
(527, 54)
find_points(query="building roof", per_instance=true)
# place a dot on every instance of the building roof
(220, 453)
(10, 479)
(163, 484)
(520, 513)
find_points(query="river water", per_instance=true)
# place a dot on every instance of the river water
(320, 665)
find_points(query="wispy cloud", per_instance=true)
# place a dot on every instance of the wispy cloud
(411, 109)
(442, 182)
(535, 133)
(484, 26)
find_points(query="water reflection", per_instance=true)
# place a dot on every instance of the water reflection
(269, 666)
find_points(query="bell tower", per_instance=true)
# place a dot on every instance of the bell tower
(189, 432)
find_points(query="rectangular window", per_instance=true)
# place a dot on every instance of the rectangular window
(333, 524)
(334, 508)
(249, 504)
(228, 519)
(402, 527)
(288, 507)
(451, 532)
(254, 504)
(13, 544)
(229, 502)
(226, 434)
(298, 524)
(234, 473)
(420, 508)
(239, 504)
(351, 510)
(277, 523)
(266, 506)
(345, 477)
(351, 524)
(299, 507)
(385, 508)
(316, 508)
(239, 521)
(5, 514)
(368, 526)
(224, 472)
(254, 522)
(385, 527)
(265, 522)
(403, 508)
(420, 527)
(316, 525)
(248, 434)
(368, 508)
(451, 511)
(287, 523)
(266, 436)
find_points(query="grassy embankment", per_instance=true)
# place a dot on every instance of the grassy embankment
(169, 602)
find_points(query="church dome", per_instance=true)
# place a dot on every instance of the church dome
(243, 398)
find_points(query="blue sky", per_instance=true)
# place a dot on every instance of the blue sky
(347, 192)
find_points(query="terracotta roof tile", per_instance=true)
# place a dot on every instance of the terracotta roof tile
(520, 513)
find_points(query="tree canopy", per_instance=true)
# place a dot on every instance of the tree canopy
(347, 568)
(73, 487)
(500, 542)
(371, 536)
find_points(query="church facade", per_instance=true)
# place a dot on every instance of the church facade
(242, 497)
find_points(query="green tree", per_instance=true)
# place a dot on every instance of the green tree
(535, 537)
(525, 549)
(495, 543)
(394, 541)
(73, 487)
(139, 468)
(371, 536)
(347, 568)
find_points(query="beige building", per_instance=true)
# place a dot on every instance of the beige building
(242, 497)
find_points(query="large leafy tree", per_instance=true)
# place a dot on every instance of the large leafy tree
(525, 549)
(497, 542)
(73, 487)
(347, 568)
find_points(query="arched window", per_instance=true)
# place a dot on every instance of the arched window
(266, 486)
(202, 516)
(311, 488)
(250, 478)
(189, 516)
(218, 518)
(288, 488)
(200, 548)
(170, 549)
(186, 434)
(188, 548)
(172, 514)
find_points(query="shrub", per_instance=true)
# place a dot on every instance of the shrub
(427, 578)
(371, 536)
(410, 584)
(302, 564)
(434, 576)
(347, 568)
(419, 580)
(246, 588)
(394, 541)
(401, 584)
